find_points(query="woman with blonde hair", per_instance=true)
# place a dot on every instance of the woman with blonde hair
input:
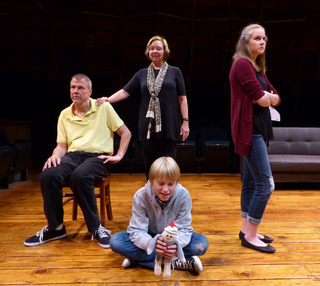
(163, 111)
(251, 126)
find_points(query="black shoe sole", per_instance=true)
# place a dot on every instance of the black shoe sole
(265, 239)
(264, 249)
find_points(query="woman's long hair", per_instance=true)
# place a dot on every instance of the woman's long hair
(243, 49)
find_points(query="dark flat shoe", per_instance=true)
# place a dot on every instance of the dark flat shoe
(265, 239)
(265, 249)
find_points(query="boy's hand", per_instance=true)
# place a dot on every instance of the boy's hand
(170, 252)
(167, 251)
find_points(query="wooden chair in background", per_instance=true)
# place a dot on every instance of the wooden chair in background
(103, 195)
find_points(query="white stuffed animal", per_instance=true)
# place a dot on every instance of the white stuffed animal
(169, 236)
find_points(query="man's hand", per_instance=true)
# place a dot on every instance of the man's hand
(55, 159)
(52, 161)
(111, 159)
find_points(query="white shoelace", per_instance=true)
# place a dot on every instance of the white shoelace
(188, 265)
(41, 233)
(102, 232)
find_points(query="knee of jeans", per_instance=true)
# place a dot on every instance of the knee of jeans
(113, 243)
(200, 248)
(272, 186)
(47, 174)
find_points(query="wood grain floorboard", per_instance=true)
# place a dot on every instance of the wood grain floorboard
(292, 217)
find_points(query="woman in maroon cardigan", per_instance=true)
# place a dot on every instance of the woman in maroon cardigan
(251, 96)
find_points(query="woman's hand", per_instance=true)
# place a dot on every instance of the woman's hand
(102, 100)
(273, 97)
(185, 131)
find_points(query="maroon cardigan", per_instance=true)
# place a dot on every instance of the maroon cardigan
(245, 88)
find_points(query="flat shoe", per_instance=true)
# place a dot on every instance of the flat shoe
(265, 249)
(265, 239)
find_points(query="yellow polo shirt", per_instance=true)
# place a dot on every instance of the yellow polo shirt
(93, 133)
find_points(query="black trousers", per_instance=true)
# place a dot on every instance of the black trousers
(156, 148)
(80, 170)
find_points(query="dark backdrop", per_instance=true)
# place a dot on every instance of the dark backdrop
(44, 42)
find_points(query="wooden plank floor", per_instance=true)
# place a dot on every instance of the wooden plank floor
(292, 218)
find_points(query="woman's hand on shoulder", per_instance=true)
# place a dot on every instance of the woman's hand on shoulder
(103, 99)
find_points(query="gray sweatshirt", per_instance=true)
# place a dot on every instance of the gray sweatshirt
(148, 219)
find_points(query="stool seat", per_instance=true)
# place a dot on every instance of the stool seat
(103, 195)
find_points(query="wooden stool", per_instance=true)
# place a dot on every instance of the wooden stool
(105, 202)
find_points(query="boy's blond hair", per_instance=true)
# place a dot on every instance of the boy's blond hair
(164, 167)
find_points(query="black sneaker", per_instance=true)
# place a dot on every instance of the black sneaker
(103, 236)
(45, 235)
(192, 264)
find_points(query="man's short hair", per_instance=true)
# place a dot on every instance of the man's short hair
(83, 76)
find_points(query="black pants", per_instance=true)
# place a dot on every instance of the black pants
(156, 148)
(80, 170)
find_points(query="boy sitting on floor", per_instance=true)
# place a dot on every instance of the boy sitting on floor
(161, 201)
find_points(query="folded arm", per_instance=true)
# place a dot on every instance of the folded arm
(269, 98)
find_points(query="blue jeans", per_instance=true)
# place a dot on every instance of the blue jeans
(257, 181)
(80, 169)
(121, 244)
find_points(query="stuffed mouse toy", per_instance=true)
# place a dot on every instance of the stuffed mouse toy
(169, 236)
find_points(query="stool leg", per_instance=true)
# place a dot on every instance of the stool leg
(102, 205)
(75, 209)
(109, 208)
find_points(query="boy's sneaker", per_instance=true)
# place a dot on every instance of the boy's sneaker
(103, 236)
(45, 235)
(192, 264)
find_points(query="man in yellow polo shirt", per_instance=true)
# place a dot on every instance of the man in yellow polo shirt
(82, 155)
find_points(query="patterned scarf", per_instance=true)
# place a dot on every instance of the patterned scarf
(154, 86)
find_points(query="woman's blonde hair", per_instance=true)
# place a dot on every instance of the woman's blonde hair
(164, 167)
(166, 49)
(243, 49)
